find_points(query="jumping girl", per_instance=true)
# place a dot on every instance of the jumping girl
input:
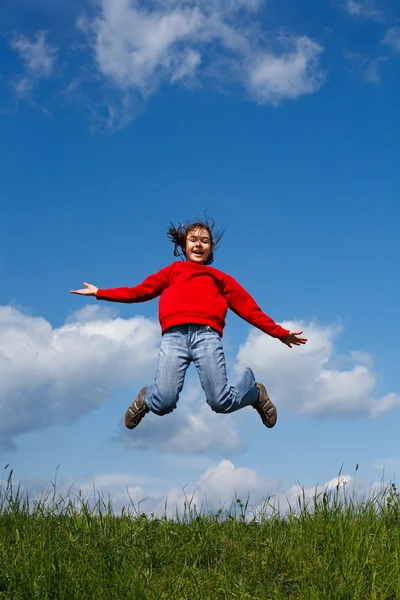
(194, 302)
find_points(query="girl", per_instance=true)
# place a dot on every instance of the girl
(192, 309)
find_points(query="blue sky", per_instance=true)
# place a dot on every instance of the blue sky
(119, 117)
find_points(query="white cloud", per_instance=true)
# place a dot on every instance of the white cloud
(220, 7)
(299, 495)
(196, 42)
(92, 312)
(362, 358)
(217, 487)
(138, 48)
(190, 62)
(53, 376)
(38, 58)
(308, 380)
(363, 8)
(222, 483)
(392, 39)
(289, 75)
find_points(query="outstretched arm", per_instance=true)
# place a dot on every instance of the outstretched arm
(150, 288)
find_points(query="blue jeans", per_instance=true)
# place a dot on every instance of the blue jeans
(201, 344)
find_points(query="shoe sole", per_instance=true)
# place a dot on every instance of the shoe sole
(136, 411)
(266, 408)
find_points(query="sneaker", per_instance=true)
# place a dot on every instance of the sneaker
(265, 408)
(136, 411)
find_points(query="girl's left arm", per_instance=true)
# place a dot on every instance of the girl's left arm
(240, 301)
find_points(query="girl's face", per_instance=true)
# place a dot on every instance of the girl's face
(198, 246)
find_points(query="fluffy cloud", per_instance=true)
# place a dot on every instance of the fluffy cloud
(363, 8)
(217, 487)
(392, 39)
(310, 379)
(220, 7)
(138, 49)
(221, 484)
(291, 74)
(38, 58)
(53, 376)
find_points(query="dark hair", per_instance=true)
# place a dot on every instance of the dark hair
(178, 235)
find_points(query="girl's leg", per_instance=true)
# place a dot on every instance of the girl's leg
(208, 356)
(162, 395)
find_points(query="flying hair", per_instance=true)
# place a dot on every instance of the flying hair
(178, 235)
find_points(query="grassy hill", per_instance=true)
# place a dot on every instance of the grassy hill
(62, 548)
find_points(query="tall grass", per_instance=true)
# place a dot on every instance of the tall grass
(62, 547)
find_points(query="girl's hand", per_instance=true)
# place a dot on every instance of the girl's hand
(90, 290)
(293, 339)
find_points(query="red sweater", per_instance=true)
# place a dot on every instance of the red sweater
(195, 293)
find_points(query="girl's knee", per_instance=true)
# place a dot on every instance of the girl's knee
(220, 404)
(217, 408)
(161, 404)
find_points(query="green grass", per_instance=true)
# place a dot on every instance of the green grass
(60, 548)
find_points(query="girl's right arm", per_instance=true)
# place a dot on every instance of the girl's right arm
(150, 288)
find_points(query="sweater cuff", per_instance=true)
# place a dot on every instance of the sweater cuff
(284, 335)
